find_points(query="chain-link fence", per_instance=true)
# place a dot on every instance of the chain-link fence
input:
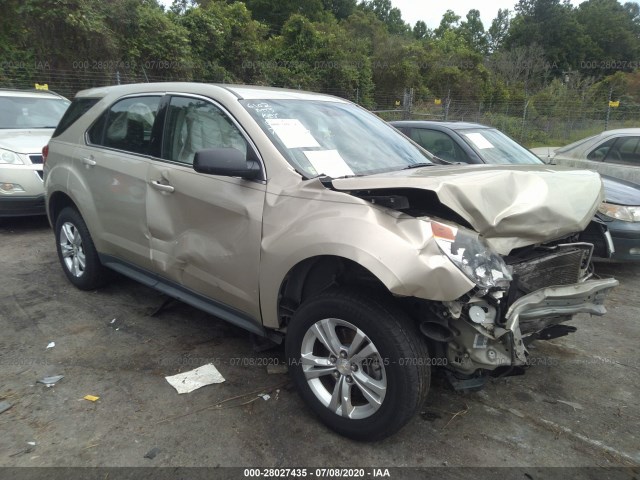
(532, 122)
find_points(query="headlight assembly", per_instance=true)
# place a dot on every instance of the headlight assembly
(620, 212)
(7, 156)
(472, 255)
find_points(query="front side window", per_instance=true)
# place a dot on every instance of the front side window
(333, 138)
(127, 125)
(192, 125)
(31, 111)
(439, 143)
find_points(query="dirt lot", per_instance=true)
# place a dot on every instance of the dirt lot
(579, 405)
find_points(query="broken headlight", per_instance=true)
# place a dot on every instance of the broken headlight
(473, 255)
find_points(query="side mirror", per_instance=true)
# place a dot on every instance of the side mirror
(227, 162)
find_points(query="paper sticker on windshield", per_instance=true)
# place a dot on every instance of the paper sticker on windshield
(479, 140)
(292, 133)
(328, 162)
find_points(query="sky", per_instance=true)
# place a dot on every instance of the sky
(431, 11)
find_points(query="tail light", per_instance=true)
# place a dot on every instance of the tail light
(45, 153)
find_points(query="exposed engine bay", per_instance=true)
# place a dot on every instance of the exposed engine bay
(486, 331)
(519, 297)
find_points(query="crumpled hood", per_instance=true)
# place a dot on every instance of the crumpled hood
(25, 141)
(511, 206)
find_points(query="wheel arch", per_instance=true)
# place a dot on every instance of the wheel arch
(316, 274)
(58, 201)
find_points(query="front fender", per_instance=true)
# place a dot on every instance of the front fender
(398, 249)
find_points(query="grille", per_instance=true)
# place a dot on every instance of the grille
(35, 158)
(562, 267)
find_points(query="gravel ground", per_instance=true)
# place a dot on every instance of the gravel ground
(578, 405)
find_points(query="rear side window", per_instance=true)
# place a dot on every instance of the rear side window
(78, 107)
(601, 151)
(620, 150)
(127, 125)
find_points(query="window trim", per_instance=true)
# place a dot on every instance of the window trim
(105, 112)
(243, 132)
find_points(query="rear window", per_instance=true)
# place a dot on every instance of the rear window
(78, 107)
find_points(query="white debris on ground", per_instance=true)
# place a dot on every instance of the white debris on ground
(189, 381)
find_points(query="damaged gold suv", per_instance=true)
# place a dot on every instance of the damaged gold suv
(305, 219)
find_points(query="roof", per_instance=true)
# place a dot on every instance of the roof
(242, 92)
(626, 131)
(437, 123)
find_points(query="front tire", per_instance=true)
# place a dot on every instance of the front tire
(358, 362)
(76, 251)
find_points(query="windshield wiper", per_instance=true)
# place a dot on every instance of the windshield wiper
(418, 165)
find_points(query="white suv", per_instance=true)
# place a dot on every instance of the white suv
(27, 120)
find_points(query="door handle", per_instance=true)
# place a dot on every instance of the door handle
(88, 161)
(162, 187)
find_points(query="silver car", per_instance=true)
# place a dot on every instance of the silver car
(615, 153)
(305, 219)
(27, 120)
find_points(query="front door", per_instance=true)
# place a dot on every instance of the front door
(205, 230)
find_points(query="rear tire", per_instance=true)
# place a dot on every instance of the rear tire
(358, 362)
(76, 251)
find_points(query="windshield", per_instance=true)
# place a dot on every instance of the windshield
(31, 111)
(495, 147)
(332, 138)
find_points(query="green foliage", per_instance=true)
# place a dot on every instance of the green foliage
(498, 30)
(472, 30)
(561, 61)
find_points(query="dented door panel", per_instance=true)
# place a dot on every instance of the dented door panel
(205, 234)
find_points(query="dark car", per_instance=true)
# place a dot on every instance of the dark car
(465, 142)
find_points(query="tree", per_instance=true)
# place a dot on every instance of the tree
(450, 21)
(420, 30)
(276, 13)
(553, 25)
(390, 16)
(522, 67)
(498, 30)
(149, 39)
(341, 9)
(472, 30)
(613, 32)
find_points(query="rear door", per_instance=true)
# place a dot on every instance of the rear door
(205, 230)
(115, 165)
